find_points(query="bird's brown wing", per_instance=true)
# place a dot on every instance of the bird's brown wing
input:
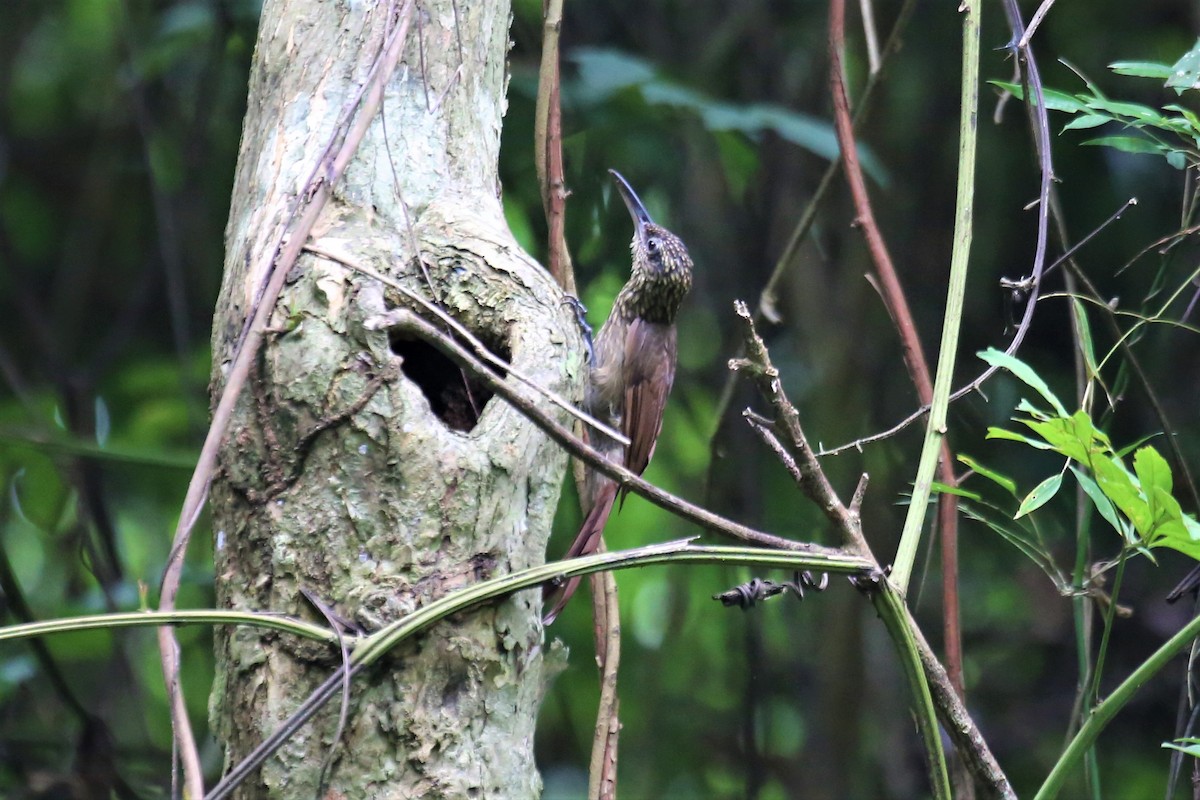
(649, 366)
(649, 371)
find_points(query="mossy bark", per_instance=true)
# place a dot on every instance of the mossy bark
(361, 468)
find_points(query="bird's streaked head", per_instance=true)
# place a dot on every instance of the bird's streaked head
(662, 268)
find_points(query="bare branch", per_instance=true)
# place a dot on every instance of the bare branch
(953, 714)
(405, 320)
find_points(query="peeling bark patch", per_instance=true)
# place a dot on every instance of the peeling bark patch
(455, 397)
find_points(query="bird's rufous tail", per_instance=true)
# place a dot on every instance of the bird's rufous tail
(586, 542)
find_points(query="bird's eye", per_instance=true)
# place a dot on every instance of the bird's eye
(652, 244)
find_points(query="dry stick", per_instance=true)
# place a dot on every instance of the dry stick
(288, 249)
(910, 341)
(1167, 243)
(602, 769)
(807, 470)
(1035, 21)
(869, 36)
(602, 780)
(953, 714)
(547, 151)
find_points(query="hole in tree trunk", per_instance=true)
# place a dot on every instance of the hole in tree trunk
(454, 395)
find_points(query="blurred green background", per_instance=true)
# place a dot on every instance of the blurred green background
(119, 129)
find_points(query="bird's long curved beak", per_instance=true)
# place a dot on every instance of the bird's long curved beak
(641, 218)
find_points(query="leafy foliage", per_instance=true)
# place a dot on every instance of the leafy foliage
(1172, 132)
(1138, 504)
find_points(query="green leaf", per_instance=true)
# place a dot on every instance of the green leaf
(1018, 539)
(1086, 347)
(1192, 746)
(943, 488)
(604, 72)
(1003, 481)
(1192, 526)
(1141, 69)
(1032, 410)
(1152, 470)
(1128, 144)
(1175, 529)
(1190, 116)
(1055, 100)
(1013, 436)
(1168, 517)
(1185, 73)
(1103, 505)
(1120, 486)
(1072, 436)
(1135, 111)
(1025, 373)
(1129, 448)
(1041, 494)
(1087, 121)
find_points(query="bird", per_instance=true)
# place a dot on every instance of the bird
(631, 373)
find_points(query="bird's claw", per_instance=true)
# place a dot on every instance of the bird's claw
(581, 319)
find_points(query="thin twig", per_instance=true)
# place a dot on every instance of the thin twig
(547, 149)
(762, 427)
(757, 365)
(602, 771)
(337, 626)
(869, 34)
(1024, 285)
(548, 159)
(1035, 21)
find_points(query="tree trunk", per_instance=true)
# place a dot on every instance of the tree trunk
(369, 470)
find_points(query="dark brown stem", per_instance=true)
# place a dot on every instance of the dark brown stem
(549, 161)
(766, 298)
(910, 342)
(548, 149)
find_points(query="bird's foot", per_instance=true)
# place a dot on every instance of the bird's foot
(581, 319)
